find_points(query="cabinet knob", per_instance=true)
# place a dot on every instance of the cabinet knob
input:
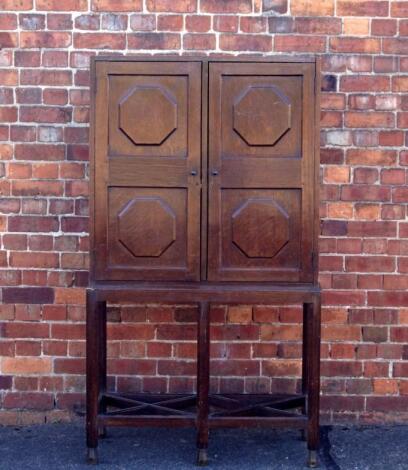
(193, 172)
(214, 172)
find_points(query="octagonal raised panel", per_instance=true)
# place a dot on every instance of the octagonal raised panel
(148, 115)
(260, 228)
(262, 115)
(147, 227)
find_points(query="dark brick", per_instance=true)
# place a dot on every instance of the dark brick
(28, 295)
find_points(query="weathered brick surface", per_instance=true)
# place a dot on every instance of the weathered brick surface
(45, 50)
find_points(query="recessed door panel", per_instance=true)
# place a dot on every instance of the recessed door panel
(148, 115)
(148, 170)
(261, 171)
(260, 231)
(261, 116)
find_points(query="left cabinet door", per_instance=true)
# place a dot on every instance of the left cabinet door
(146, 170)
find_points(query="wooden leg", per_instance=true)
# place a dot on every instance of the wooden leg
(93, 371)
(102, 361)
(305, 356)
(313, 374)
(203, 381)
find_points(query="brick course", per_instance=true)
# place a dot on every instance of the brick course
(44, 111)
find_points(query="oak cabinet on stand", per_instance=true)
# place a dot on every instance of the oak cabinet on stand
(204, 189)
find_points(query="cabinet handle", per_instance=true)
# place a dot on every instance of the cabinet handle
(193, 172)
(214, 172)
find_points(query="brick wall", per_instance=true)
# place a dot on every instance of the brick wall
(44, 97)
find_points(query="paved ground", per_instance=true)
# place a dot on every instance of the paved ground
(61, 446)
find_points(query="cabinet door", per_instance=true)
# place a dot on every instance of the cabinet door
(147, 170)
(261, 171)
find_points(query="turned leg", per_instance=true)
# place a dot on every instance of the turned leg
(93, 371)
(313, 379)
(203, 379)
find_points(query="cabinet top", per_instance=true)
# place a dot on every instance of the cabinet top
(276, 58)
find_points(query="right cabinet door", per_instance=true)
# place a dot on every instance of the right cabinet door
(261, 171)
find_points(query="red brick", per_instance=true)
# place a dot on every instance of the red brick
(198, 23)
(233, 332)
(391, 138)
(132, 366)
(44, 39)
(25, 330)
(8, 77)
(142, 22)
(400, 194)
(8, 114)
(87, 22)
(8, 39)
(281, 368)
(45, 114)
(359, 45)
(153, 41)
(371, 120)
(39, 152)
(341, 368)
(372, 229)
(311, 8)
(365, 83)
(399, 9)
(299, 43)
(66, 5)
(280, 332)
(388, 299)
(8, 21)
(57, 59)
(33, 259)
(131, 331)
(385, 64)
(247, 42)
(199, 41)
(169, 22)
(116, 5)
(69, 366)
(341, 333)
(99, 40)
(225, 24)
(362, 8)
(240, 314)
(395, 46)
(249, 24)
(342, 351)
(371, 157)
(358, 63)
(19, 5)
(232, 6)
(340, 297)
(275, 6)
(322, 25)
(29, 400)
(365, 193)
(37, 188)
(59, 21)
(31, 295)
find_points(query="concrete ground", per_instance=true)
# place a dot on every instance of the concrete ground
(61, 446)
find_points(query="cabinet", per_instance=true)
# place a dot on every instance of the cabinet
(203, 189)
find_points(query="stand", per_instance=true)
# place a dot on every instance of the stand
(203, 410)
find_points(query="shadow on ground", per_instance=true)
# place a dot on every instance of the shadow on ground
(61, 446)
